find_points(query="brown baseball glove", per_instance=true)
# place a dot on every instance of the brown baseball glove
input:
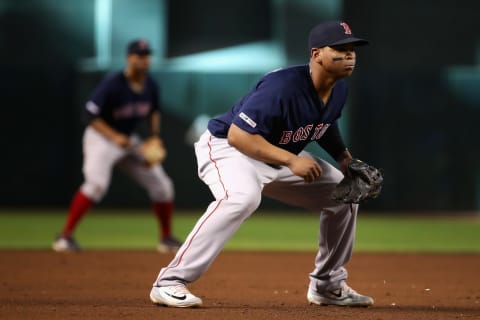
(153, 151)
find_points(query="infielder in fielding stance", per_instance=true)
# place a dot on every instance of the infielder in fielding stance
(119, 103)
(257, 148)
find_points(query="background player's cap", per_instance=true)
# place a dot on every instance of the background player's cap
(139, 46)
(332, 33)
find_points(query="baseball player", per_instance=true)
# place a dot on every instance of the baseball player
(256, 148)
(119, 103)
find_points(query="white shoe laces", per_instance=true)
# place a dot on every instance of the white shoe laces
(347, 289)
(180, 290)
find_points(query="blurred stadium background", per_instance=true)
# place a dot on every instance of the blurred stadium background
(412, 110)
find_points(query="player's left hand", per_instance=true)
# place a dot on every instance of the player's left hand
(361, 182)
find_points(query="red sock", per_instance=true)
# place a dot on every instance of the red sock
(163, 212)
(79, 205)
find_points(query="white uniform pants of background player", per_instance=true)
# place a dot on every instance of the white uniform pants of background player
(237, 183)
(101, 155)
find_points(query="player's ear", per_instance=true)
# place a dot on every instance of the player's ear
(316, 54)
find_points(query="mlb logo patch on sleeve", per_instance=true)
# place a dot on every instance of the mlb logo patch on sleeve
(247, 119)
(92, 107)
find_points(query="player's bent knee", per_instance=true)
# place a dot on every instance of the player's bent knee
(336, 176)
(244, 202)
(162, 192)
(94, 191)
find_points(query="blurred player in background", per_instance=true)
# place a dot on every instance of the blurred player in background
(257, 148)
(118, 105)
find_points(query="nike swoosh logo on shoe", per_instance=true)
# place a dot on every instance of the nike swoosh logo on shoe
(336, 293)
(176, 297)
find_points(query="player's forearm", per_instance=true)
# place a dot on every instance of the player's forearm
(102, 127)
(155, 123)
(110, 133)
(343, 160)
(256, 147)
(344, 156)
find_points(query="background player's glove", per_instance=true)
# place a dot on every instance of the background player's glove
(153, 151)
(361, 182)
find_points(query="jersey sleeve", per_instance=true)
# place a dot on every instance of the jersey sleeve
(99, 99)
(260, 110)
(156, 96)
(332, 141)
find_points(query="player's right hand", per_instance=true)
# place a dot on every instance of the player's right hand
(307, 168)
(121, 140)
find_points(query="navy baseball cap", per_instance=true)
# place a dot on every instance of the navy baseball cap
(139, 46)
(332, 33)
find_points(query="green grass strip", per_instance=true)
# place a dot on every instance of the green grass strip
(273, 231)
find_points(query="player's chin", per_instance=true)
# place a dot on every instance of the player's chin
(347, 71)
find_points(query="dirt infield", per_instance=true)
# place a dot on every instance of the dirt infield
(239, 285)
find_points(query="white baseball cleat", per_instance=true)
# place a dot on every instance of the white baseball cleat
(174, 296)
(344, 296)
(169, 244)
(65, 244)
